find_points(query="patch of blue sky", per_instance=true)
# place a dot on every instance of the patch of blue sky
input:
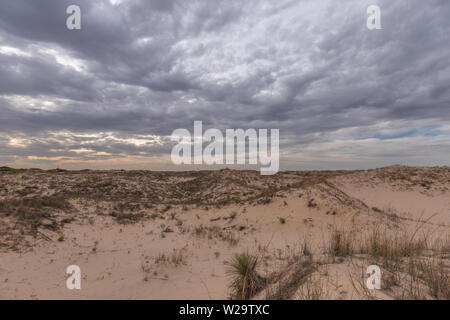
(427, 131)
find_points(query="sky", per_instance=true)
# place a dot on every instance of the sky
(109, 95)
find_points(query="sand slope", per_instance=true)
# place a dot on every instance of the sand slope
(156, 235)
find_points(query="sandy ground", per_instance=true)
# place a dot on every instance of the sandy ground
(166, 243)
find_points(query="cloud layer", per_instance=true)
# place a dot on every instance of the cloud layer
(110, 94)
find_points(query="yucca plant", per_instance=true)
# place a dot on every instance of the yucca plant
(245, 281)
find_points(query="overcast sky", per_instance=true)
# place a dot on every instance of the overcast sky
(109, 95)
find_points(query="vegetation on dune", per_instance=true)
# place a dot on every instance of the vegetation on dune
(245, 280)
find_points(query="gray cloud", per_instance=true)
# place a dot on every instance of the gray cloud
(142, 68)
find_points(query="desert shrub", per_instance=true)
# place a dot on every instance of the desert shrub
(245, 281)
(33, 208)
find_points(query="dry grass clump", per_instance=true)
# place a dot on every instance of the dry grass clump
(412, 269)
(436, 276)
(433, 271)
(215, 232)
(390, 249)
(176, 258)
(341, 244)
(125, 218)
(410, 264)
(245, 280)
(312, 288)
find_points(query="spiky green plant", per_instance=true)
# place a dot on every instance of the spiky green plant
(245, 281)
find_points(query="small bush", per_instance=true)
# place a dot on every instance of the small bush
(245, 281)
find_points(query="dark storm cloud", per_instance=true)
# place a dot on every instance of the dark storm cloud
(310, 68)
(41, 75)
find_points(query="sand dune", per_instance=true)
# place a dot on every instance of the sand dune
(173, 235)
